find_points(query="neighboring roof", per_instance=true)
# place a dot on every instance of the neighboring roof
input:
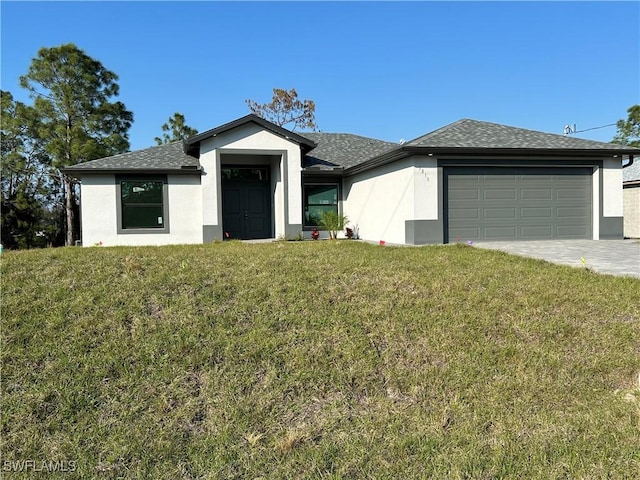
(251, 118)
(467, 133)
(632, 172)
(335, 150)
(163, 158)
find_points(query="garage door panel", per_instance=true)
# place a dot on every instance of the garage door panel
(535, 179)
(500, 194)
(466, 177)
(569, 177)
(500, 233)
(540, 232)
(463, 213)
(457, 194)
(498, 178)
(536, 193)
(578, 194)
(578, 212)
(492, 213)
(502, 203)
(466, 233)
(571, 231)
(536, 212)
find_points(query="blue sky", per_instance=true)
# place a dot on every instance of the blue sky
(385, 70)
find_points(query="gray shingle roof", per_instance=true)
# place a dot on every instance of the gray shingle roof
(343, 149)
(468, 133)
(163, 157)
(632, 173)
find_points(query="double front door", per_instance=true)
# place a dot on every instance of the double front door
(246, 203)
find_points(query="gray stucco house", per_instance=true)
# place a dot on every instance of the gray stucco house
(249, 178)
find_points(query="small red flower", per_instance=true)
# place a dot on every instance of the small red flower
(382, 242)
(226, 234)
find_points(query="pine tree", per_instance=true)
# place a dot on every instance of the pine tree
(72, 95)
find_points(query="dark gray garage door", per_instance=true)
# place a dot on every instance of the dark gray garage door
(523, 203)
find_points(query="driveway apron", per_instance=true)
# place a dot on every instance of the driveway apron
(613, 257)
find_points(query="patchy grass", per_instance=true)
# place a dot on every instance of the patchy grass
(317, 360)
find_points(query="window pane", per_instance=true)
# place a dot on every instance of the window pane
(141, 192)
(142, 204)
(142, 216)
(322, 194)
(314, 213)
(244, 173)
(318, 200)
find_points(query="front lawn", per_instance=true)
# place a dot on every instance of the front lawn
(316, 360)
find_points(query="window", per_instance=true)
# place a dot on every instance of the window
(259, 174)
(317, 200)
(142, 205)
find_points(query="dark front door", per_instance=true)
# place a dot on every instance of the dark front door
(246, 205)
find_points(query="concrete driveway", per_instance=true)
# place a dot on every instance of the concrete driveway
(613, 257)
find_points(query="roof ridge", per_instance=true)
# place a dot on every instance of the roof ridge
(470, 133)
(529, 130)
(439, 130)
(347, 133)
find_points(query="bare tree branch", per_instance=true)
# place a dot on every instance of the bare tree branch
(286, 110)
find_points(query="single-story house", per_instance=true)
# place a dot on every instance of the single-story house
(252, 179)
(631, 199)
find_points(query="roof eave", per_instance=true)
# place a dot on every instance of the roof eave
(311, 171)
(590, 152)
(407, 151)
(138, 171)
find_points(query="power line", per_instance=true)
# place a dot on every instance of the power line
(595, 128)
(569, 131)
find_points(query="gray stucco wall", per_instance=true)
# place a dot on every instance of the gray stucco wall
(423, 232)
(211, 233)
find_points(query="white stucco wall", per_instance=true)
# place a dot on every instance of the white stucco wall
(612, 188)
(99, 214)
(379, 201)
(631, 205)
(425, 183)
(246, 140)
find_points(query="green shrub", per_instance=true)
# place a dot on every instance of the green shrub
(333, 222)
